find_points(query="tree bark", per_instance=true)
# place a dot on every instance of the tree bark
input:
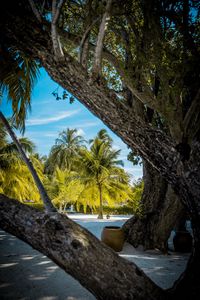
(78, 252)
(161, 210)
(99, 46)
(56, 9)
(188, 285)
(100, 216)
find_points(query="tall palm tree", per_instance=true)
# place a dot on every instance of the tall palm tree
(103, 136)
(45, 198)
(101, 171)
(65, 187)
(17, 77)
(65, 151)
(15, 180)
(8, 150)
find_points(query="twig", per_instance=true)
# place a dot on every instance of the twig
(35, 10)
(42, 8)
(83, 40)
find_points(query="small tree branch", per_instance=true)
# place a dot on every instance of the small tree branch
(146, 97)
(47, 202)
(56, 9)
(35, 10)
(84, 39)
(42, 8)
(99, 47)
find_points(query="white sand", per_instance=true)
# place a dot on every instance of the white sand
(27, 274)
(162, 269)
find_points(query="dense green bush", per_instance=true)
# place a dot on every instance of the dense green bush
(119, 210)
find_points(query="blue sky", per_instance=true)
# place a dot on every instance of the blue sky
(48, 117)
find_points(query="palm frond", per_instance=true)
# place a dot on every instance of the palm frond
(17, 78)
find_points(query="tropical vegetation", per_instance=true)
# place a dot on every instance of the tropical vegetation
(88, 175)
(15, 178)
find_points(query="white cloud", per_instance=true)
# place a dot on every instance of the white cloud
(47, 120)
(82, 124)
(134, 169)
(42, 102)
(123, 157)
(80, 131)
(51, 134)
(116, 147)
(89, 124)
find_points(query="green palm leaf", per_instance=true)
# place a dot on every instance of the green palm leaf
(17, 78)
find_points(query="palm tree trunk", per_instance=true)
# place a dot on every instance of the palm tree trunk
(60, 207)
(45, 198)
(100, 216)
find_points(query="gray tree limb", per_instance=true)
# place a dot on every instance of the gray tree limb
(78, 252)
(57, 47)
(99, 46)
(83, 41)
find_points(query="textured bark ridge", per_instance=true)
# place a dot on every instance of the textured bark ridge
(78, 252)
(161, 210)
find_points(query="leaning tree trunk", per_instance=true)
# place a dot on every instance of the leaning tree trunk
(161, 210)
(100, 215)
(43, 194)
(79, 253)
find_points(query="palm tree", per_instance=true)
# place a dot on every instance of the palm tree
(64, 153)
(103, 136)
(101, 172)
(65, 187)
(17, 77)
(16, 181)
(45, 198)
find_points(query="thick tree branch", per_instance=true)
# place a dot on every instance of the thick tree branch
(78, 253)
(56, 9)
(82, 55)
(99, 46)
(145, 96)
